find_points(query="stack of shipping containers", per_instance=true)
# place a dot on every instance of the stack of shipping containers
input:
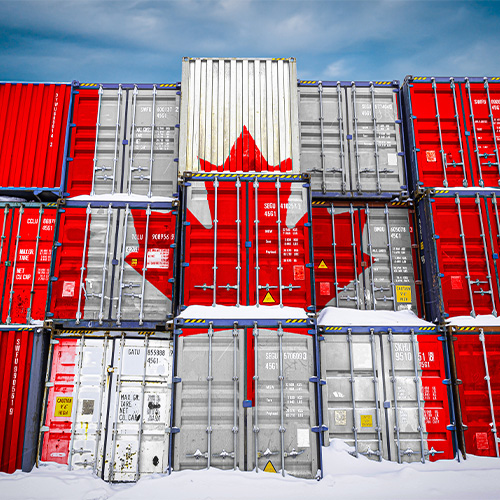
(453, 130)
(365, 263)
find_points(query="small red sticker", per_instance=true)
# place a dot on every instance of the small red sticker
(298, 273)
(324, 288)
(431, 156)
(482, 441)
(456, 283)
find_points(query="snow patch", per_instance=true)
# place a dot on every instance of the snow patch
(478, 321)
(125, 197)
(341, 316)
(243, 312)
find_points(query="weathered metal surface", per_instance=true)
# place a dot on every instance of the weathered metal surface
(239, 115)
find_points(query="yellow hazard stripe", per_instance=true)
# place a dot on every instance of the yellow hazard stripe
(308, 82)
(466, 328)
(89, 85)
(296, 321)
(383, 83)
(195, 321)
(320, 203)
(167, 85)
(330, 328)
(442, 191)
(426, 328)
(420, 78)
(246, 176)
(495, 78)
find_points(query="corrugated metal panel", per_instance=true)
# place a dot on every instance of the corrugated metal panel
(364, 256)
(232, 386)
(114, 266)
(27, 234)
(125, 140)
(350, 137)
(372, 383)
(459, 242)
(22, 365)
(108, 404)
(239, 115)
(477, 364)
(246, 241)
(33, 122)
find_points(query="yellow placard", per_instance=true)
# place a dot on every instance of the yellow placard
(322, 265)
(270, 467)
(366, 421)
(64, 405)
(403, 293)
(268, 299)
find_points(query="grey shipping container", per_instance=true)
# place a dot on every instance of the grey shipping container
(351, 138)
(124, 139)
(107, 403)
(245, 395)
(239, 115)
(113, 265)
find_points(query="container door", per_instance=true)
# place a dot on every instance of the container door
(439, 135)
(376, 147)
(150, 167)
(337, 255)
(477, 357)
(284, 404)
(139, 409)
(352, 396)
(323, 141)
(482, 109)
(390, 279)
(209, 401)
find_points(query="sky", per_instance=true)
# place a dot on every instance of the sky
(143, 41)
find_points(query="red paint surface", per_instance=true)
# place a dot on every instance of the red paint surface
(33, 120)
(474, 400)
(245, 156)
(21, 282)
(199, 249)
(15, 360)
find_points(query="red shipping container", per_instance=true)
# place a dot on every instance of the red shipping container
(246, 241)
(33, 124)
(477, 366)
(27, 234)
(22, 365)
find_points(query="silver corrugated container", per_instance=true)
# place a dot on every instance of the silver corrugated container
(351, 138)
(239, 115)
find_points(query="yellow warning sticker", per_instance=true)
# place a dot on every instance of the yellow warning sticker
(64, 406)
(366, 421)
(268, 299)
(403, 293)
(270, 467)
(322, 265)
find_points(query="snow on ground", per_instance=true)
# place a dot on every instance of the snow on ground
(243, 312)
(341, 316)
(345, 478)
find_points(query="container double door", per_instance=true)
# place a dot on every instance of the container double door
(244, 400)
(108, 406)
(364, 256)
(246, 241)
(385, 396)
(350, 138)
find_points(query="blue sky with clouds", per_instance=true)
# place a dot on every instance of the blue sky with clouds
(145, 40)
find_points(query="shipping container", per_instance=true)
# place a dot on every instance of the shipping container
(351, 138)
(475, 356)
(113, 265)
(239, 115)
(33, 129)
(124, 139)
(246, 395)
(453, 127)
(246, 240)
(27, 235)
(459, 243)
(365, 255)
(23, 359)
(107, 403)
(386, 391)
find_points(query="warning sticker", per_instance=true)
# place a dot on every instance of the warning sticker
(303, 438)
(366, 421)
(157, 258)
(456, 283)
(298, 273)
(324, 288)
(403, 293)
(270, 468)
(340, 417)
(268, 299)
(68, 289)
(431, 156)
(64, 405)
(392, 159)
(322, 265)
(482, 441)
